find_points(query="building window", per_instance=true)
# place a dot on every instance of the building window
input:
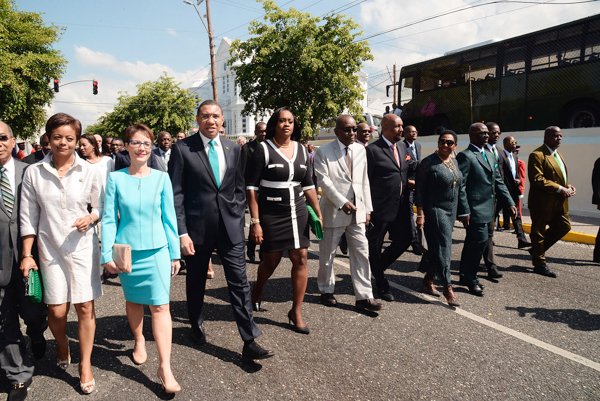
(244, 124)
(224, 84)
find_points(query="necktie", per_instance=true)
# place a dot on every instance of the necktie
(396, 157)
(561, 165)
(413, 150)
(7, 195)
(348, 161)
(513, 167)
(213, 158)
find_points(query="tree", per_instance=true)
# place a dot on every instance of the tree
(307, 63)
(27, 64)
(162, 105)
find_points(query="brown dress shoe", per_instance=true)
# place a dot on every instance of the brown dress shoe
(371, 305)
(450, 296)
(429, 287)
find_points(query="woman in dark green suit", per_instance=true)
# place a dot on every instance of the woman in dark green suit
(438, 186)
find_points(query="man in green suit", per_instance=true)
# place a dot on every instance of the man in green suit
(483, 186)
(549, 194)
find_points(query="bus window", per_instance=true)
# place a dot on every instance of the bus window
(482, 69)
(558, 54)
(406, 90)
(514, 61)
(592, 43)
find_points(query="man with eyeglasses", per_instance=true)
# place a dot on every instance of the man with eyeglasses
(341, 167)
(15, 357)
(484, 186)
(260, 131)
(208, 188)
(388, 164)
(40, 154)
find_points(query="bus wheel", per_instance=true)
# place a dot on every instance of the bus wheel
(583, 115)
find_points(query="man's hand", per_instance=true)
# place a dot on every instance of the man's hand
(187, 246)
(411, 184)
(420, 221)
(465, 220)
(513, 211)
(349, 208)
(368, 219)
(572, 189)
(517, 181)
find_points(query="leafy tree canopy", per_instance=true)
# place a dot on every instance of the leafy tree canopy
(162, 105)
(27, 64)
(309, 64)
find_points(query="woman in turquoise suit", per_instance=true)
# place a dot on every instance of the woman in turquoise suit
(140, 212)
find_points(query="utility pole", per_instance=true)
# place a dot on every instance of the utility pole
(213, 67)
(394, 82)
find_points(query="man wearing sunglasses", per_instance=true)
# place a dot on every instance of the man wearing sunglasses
(484, 186)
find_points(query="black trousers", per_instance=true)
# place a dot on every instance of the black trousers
(475, 243)
(234, 267)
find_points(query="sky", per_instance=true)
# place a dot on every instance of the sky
(124, 43)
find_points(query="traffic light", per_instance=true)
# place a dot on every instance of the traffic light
(55, 85)
(95, 87)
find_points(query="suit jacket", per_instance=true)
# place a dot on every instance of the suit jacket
(596, 183)
(123, 160)
(198, 202)
(247, 151)
(157, 151)
(10, 245)
(339, 187)
(416, 158)
(483, 186)
(509, 180)
(34, 157)
(388, 181)
(545, 177)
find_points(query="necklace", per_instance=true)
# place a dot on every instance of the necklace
(450, 166)
(287, 145)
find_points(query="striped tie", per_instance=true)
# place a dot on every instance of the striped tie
(7, 195)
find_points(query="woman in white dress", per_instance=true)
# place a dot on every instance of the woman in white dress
(55, 196)
(88, 149)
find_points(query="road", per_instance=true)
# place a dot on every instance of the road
(529, 338)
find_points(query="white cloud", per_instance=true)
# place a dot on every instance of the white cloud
(172, 32)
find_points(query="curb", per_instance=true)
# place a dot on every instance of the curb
(572, 236)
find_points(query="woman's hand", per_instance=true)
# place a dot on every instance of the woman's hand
(83, 223)
(110, 267)
(27, 263)
(175, 266)
(257, 233)
(420, 221)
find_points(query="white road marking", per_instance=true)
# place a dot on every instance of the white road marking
(493, 325)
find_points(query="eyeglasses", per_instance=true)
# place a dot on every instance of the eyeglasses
(137, 144)
(348, 130)
(4, 138)
(261, 131)
(447, 142)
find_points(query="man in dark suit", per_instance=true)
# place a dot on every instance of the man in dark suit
(15, 357)
(40, 154)
(483, 186)
(549, 193)
(414, 150)
(260, 131)
(208, 188)
(509, 169)
(388, 163)
(596, 201)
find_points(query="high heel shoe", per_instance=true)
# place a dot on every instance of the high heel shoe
(450, 296)
(63, 364)
(171, 390)
(88, 388)
(297, 329)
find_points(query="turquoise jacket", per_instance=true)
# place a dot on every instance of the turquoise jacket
(139, 212)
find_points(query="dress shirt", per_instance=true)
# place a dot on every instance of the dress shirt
(343, 148)
(165, 155)
(492, 148)
(511, 162)
(220, 153)
(413, 150)
(552, 153)
(10, 173)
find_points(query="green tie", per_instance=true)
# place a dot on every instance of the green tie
(7, 196)
(561, 165)
(213, 158)
(485, 156)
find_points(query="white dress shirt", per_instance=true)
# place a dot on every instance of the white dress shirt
(511, 162)
(220, 153)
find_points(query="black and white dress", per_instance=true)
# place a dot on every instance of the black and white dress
(281, 183)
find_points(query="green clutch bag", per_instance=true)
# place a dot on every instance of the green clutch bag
(315, 223)
(33, 288)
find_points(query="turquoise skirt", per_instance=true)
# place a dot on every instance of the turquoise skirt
(150, 279)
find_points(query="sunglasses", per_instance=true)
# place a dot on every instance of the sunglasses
(447, 142)
(348, 130)
(4, 138)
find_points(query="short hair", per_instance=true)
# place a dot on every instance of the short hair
(490, 124)
(209, 102)
(116, 138)
(161, 133)
(10, 131)
(338, 121)
(92, 140)
(272, 123)
(60, 120)
(134, 129)
(448, 132)
(551, 129)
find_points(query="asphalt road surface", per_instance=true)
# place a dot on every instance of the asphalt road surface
(529, 338)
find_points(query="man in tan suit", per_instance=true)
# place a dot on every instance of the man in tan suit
(341, 168)
(548, 199)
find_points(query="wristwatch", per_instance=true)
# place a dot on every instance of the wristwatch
(254, 221)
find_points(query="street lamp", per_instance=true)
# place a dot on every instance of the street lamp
(208, 28)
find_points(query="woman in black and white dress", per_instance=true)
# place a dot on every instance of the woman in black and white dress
(279, 181)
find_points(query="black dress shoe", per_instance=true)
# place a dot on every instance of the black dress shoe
(544, 271)
(524, 244)
(198, 337)
(386, 296)
(252, 351)
(251, 257)
(38, 347)
(465, 283)
(475, 289)
(371, 305)
(418, 249)
(328, 299)
(18, 391)
(493, 272)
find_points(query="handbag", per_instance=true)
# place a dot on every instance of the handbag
(121, 254)
(315, 224)
(33, 287)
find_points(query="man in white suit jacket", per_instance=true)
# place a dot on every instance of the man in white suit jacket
(341, 168)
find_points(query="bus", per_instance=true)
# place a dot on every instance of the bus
(529, 82)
